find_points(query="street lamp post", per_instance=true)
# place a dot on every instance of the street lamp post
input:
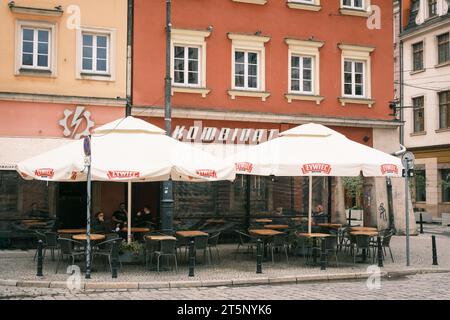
(167, 188)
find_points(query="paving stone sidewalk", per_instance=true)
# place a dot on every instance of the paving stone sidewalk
(17, 268)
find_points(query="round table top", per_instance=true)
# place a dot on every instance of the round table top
(313, 235)
(276, 226)
(363, 229)
(330, 225)
(94, 237)
(136, 229)
(264, 232)
(263, 220)
(364, 233)
(70, 231)
(161, 238)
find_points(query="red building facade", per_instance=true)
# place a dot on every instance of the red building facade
(267, 66)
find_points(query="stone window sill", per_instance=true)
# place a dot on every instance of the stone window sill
(202, 91)
(35, 72)
(304, 6)
(303, 97)
(252, 94)
(443, 64)
(415, 134)
(354, 12)
(417, 71)
(261, 2)
(345, 100)
(442, 130)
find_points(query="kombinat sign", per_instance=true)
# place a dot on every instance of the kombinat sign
(223, 135)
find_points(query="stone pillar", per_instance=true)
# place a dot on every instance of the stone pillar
(337, 201)
(398, 199)
(375, 203)
(432, 189)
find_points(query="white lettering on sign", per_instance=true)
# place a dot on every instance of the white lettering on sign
(198, 133)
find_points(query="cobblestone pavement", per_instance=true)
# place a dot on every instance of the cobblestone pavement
(423, 287)
(19, 265)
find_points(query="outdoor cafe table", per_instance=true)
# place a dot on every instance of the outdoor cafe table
(264, 234)
(313, 236)
(330, 225)
(136, 230)
(364, 233)
(363, 229)
(161, 238)
(191, 234)
(94, 237)
(276, 226)
(71, 231)
(219, 221)
(263, 220)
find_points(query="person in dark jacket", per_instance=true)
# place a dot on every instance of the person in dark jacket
(99, 225)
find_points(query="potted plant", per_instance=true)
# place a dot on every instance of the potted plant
(132, 252)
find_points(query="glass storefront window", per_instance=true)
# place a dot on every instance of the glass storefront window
(445, 182)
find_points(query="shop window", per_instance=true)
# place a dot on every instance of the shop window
(445, 185)
(420, 185)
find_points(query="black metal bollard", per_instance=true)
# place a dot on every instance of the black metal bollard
(191, 258)
(114, 267)
(421, 223)
(379, 252)
(40, 259)
(259, 255)
(433, 242)
(323, 255)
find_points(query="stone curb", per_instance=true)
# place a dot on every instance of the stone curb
(218, 283)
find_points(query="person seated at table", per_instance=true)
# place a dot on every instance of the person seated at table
(120, 217)
(143, 218)
(99, 224)
(34, 212)
(319, 215)
(279, 217)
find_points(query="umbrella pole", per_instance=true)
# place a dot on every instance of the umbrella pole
(310, 205)
(129, 213)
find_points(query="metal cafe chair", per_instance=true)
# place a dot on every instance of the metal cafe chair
(67, 250)
(362, 242)
(279, 242)
(150, 247)
(51, 243)
(107, 249)
(201, 243)
(167, 249)
(245, 240)
(212, 243)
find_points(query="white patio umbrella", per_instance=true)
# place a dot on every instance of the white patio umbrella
(315, 150)
(128, 150)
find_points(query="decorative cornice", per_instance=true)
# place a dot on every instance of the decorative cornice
(248, 37)
(311, 43)
(202, 91)
(355, 47)
(56, 12)
(261, 2)
(232, 115)
(50, 98)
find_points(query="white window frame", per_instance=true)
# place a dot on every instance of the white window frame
(94, 53)
(353, 83)
(362, 54)
(301, 89)
(310, 5)
(353, 7)
(110, 74)
(308, 48)
(186, 66)
(21, 69)
(258, 70)
(190, 38)
(249, 43)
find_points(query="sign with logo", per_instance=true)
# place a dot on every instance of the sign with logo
(200, 134)
(207, 173)
(77, 123)
(44, 173)
(244, 167)
(121, 174)
(389, 169)
(316, 168)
